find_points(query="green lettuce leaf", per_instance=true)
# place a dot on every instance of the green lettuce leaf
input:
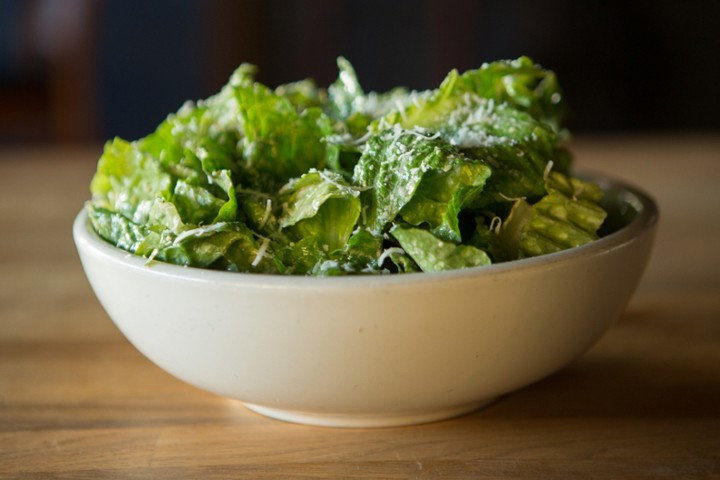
(128, 181)
(392, 167)
(433, 254)
(222, 246)
(348, 102)
(519, 149)
(303, 94)
(279, 142)
(358, 256)
(441, 195)
(321, 206)
(124, 233)
(515, 145)
(521, 84)
(568, 216)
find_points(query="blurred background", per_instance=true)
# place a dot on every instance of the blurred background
(88, 70)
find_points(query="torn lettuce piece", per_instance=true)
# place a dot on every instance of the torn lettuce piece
(348, 102)
(279, 142)
(124, 233)
(174, 179)
(303, 94)
(260, 213)
(520, 83)
(486, 237)
(519, 149)
(515, 145)
(222, 246)
(441, 195)
(358, 256)
(128, 181)
(308, 256)
(433, 254)
(149, 194)
(568, 216)
(199, 158)
(345, 95)
(322, 206)
(199, 205)
(300, 256)
(392, 167)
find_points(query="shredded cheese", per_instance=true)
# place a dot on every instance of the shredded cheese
(548, 169)
(152, 256)
(266, 216)
(510, 199)
(387, 252)
(261, 252)
(495, 225)
(199, 232)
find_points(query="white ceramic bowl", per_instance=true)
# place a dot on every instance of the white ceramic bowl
(369, 351)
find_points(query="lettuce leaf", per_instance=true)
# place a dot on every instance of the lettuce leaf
(394, 165)
(358, 256)
(348, 102)
(514, 144)
(568, 216)
(521, 84)
(441, 195)
(320, 205)
(433, 254)
(279, 142)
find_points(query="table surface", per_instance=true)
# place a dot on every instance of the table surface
(78, 401)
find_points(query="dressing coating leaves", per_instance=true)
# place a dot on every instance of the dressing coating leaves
(304, 180)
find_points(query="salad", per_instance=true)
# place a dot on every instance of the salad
(305, 180)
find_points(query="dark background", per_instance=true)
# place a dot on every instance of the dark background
(88, 70)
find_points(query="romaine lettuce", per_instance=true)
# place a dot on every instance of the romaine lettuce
(310, 181)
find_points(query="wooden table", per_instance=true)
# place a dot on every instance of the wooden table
(78, 402)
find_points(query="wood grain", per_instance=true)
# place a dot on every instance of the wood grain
(78, 402)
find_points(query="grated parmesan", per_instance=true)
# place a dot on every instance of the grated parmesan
(266, 216)
(261, 252)
(387, 252)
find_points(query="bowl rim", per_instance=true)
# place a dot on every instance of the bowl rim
(88, 241)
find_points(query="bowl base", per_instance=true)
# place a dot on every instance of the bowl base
(366, 420)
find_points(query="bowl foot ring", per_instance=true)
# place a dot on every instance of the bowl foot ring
(367, 420)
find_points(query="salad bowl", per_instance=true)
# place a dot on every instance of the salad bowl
(376, 350)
